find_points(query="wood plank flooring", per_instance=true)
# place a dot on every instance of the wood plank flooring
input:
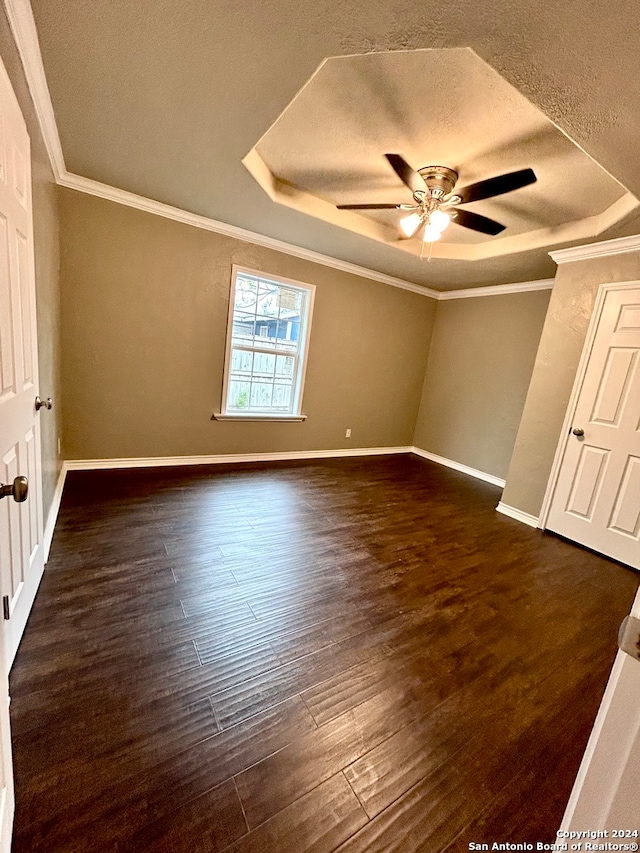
(357, 655)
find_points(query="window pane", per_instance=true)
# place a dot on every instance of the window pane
(284, 366)
(238, 395)
(290, 301)
(264, 364)
(241, 362)
(244, 314)
(282, 396)
(267, 324)
(289, 341)
(261, 395)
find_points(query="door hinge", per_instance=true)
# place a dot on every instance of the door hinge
(5, 606)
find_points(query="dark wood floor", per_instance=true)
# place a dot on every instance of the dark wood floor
(357, 655)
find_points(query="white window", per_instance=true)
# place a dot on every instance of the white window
(267, 345)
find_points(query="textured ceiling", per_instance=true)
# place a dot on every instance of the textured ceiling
(164, 98)
(441, 107)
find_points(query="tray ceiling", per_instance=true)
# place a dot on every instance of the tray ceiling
(164, 98)
(436, 107)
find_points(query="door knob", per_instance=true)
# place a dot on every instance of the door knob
(579, 432)
(17, 490)
(43, 404)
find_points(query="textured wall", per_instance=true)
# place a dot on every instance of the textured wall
(144, 310)
(554, 373)
(45, 224)
(482, 354)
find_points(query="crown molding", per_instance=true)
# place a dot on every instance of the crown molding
(23, 27)
(25, 34)
(105, 191)
(86, 185)
(499, 289)
(618, 246)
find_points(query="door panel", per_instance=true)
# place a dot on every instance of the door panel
(596, 501)
(626, 515)
(587, 482)
(614, 387)
(21, 524)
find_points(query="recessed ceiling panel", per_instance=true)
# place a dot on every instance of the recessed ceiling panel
(442, 107)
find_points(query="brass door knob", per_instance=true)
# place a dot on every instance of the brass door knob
(16, 490)
(577, 431)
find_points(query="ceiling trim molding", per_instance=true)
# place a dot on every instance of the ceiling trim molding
(25, 34)
(24, 31)
(86, 185)
(499, 289)
(618, 246)
(23, 27)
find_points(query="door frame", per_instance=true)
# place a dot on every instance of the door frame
(592, 330)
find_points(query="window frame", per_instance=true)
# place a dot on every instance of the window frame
(301, 356)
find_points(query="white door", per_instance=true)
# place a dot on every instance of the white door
(21, 551)
(596, 500)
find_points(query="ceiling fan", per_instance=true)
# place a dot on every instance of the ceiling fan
(435, 203)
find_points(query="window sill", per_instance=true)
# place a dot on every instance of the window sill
(253, 417)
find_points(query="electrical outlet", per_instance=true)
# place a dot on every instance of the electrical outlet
(347, 433)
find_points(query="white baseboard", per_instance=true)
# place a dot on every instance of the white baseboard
(458, 466)
(52, 515)
(518, 514)
(226, 458)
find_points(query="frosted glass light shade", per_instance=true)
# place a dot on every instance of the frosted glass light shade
(410, 224)
(439, 220)
(431, 234)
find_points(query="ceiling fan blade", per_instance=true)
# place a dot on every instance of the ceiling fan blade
(367, 206)
(476, 222)
(406, 174)
(496, 186)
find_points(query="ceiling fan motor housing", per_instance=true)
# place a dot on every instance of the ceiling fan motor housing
(440, 179)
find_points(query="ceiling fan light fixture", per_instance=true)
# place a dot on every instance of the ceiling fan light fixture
(439, 220)
(431, 234)
(410, 224)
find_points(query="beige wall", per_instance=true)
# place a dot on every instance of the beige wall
(482, 354)
(555, 369)
(45, 221)
(144, 312)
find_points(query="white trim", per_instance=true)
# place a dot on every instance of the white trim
(499, 289)
(299, 356)
(226, 458)
(597, 250)
(575, 392)
(458, 466)
(255, 418)
(76, 182)
(52, 515)
(26, 38)
(24, 31)
(518, 514)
